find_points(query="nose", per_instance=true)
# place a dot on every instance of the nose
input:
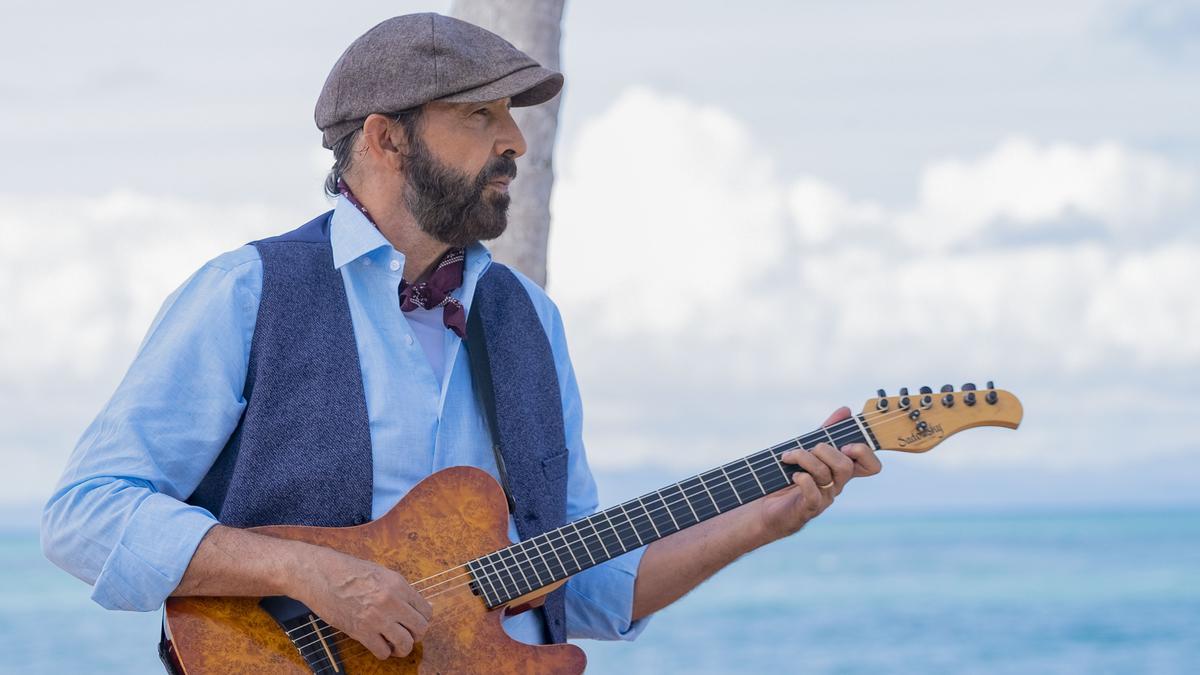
(510, 140)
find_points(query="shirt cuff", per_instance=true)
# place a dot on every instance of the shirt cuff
(599, 601)
(155, 549)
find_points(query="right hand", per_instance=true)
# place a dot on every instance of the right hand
(366, 601)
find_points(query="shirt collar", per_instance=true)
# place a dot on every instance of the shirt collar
(352, 236)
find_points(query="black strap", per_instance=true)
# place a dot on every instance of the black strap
(166, 651)
(481, 378)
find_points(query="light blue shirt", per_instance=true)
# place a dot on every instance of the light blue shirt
(117, 519)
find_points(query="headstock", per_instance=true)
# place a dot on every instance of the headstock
(917, 422)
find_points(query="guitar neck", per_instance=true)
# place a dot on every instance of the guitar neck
(529, 565)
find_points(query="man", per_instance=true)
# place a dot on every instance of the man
(315, 377)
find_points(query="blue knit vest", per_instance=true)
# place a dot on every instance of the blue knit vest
(301, 454)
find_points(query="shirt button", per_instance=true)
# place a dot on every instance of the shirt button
(408, 339)
(366, 262)
(395, 265)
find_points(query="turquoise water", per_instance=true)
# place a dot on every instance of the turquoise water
(1095, 592)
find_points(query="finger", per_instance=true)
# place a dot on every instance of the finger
(399, 637)
(840, 465)
(809, 464)
(866, 462)
(837, 416)
(412, 598)
(411, 619)
(810, 496)
(378, 646)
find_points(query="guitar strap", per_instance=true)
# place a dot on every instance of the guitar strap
(481, 378)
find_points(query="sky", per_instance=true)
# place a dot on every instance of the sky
(761, 213)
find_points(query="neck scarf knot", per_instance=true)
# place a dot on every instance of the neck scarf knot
(434, 290)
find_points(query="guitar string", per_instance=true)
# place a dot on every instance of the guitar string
(774, 453)
(746, 467)
(739, 464)
(847, 425)
(463, 570)
(458, 607)
(847, 422)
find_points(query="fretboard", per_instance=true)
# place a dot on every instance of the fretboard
(507, 574)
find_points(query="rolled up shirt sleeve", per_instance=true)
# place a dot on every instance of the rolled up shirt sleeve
(599, 601)
(117, 518)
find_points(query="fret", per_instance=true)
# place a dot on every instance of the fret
(523, 547)
(632, 525)
(581, 541)
(750, 467)
(643, 523)
(617, 531)
(624, 529)
(649, 518)
(511, 563)
(502, 572)
(568, 546)
(599, 538)
(483, 582)
(614, 541)
(663, 509)
(779, 465)
(699, 498)
(732, 486)
(720, 489)
(546, 550)
(864, 434)
(744, 483)
(557, 554)
(768, 471)
(678, 506)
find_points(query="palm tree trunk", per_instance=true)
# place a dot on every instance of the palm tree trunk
(535, 27)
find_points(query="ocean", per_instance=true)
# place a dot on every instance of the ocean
(1099, 591)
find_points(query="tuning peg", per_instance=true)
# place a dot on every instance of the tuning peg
(992, 397)
(926, 390)
(970, 386)
(969, 399)
(990, 385)
(948, 400)
(881, 393)
(947, 388)
(904, 391)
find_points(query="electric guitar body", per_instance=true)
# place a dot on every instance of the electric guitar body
(454, 515)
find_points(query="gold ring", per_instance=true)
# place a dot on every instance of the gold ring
(825, 486)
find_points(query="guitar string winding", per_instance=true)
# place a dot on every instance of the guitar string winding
(775, 452)
(838, 431)
(841, 430)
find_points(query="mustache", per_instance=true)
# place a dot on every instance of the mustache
(498, 167)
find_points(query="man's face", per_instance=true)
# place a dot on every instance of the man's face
(457, 170)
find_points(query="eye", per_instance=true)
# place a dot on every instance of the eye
(483, 111)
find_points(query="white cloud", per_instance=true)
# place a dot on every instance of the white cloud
(1031, 185)
(641, 192)
(714, 305)
(702, 289)
(81, 280)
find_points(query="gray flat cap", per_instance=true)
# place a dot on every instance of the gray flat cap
(417, 58)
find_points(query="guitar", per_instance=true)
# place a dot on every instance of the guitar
(448, 536)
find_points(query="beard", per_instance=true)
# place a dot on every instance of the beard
(449, 205)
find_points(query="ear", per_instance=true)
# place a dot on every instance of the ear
(384, 141)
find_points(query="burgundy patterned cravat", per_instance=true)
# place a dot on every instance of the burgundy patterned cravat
(435, 290)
